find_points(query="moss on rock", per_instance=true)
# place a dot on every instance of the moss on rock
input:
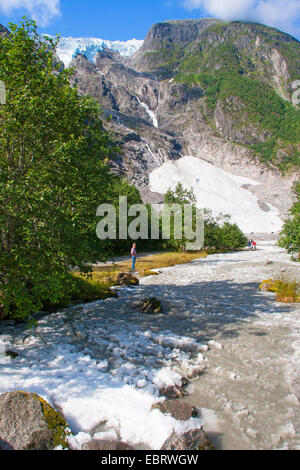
(40, 427)
(55, 422)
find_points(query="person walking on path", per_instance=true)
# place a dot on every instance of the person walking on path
(133, 255)
(254, 245)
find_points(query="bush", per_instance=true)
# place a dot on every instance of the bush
(230, 237)
(287, 290)
(290, 235)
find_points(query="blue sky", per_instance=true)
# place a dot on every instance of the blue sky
(122, 20)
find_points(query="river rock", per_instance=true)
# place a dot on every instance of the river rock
(172, 392)
(12, 354)
(191, 440)
(266, 286)
(178, 409)
(127, 279)
(152, 306)
(27, 422)
(105, 445)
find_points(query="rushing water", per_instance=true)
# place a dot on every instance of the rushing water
(249, 394)
(103, 363)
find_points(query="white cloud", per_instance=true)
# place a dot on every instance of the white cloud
(226, 9)
(43, 11)
(282, 14)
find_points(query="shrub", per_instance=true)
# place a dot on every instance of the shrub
(287, 290)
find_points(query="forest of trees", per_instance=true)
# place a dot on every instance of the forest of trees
(54, 173)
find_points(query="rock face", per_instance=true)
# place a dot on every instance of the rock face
(27, 422)
(163, 103)
(157, 115)
(106, 445)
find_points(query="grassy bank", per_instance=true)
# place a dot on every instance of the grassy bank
(96, 286)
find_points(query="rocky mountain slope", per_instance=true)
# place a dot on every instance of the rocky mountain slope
(219, 92)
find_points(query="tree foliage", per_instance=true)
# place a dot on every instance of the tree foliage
(53, 174)
(290, 235)
(219, 232)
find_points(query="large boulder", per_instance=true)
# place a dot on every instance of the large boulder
(127, 279)
(27, 422)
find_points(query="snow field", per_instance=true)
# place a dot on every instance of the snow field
(219, 191)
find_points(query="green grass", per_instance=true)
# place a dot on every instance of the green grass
(261, 106)
(96, 286)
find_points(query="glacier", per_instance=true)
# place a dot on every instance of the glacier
(68, 47)
(219, 191)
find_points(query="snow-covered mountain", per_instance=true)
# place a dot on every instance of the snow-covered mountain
(68, 47)
(179, 118)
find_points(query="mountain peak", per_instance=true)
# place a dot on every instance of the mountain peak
(177, 31)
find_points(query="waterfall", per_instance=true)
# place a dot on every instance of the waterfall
(150, 113)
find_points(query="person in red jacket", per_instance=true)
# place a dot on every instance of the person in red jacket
(254, 245)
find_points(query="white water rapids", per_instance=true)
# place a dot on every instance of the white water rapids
(102, 364)
(249, 393)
